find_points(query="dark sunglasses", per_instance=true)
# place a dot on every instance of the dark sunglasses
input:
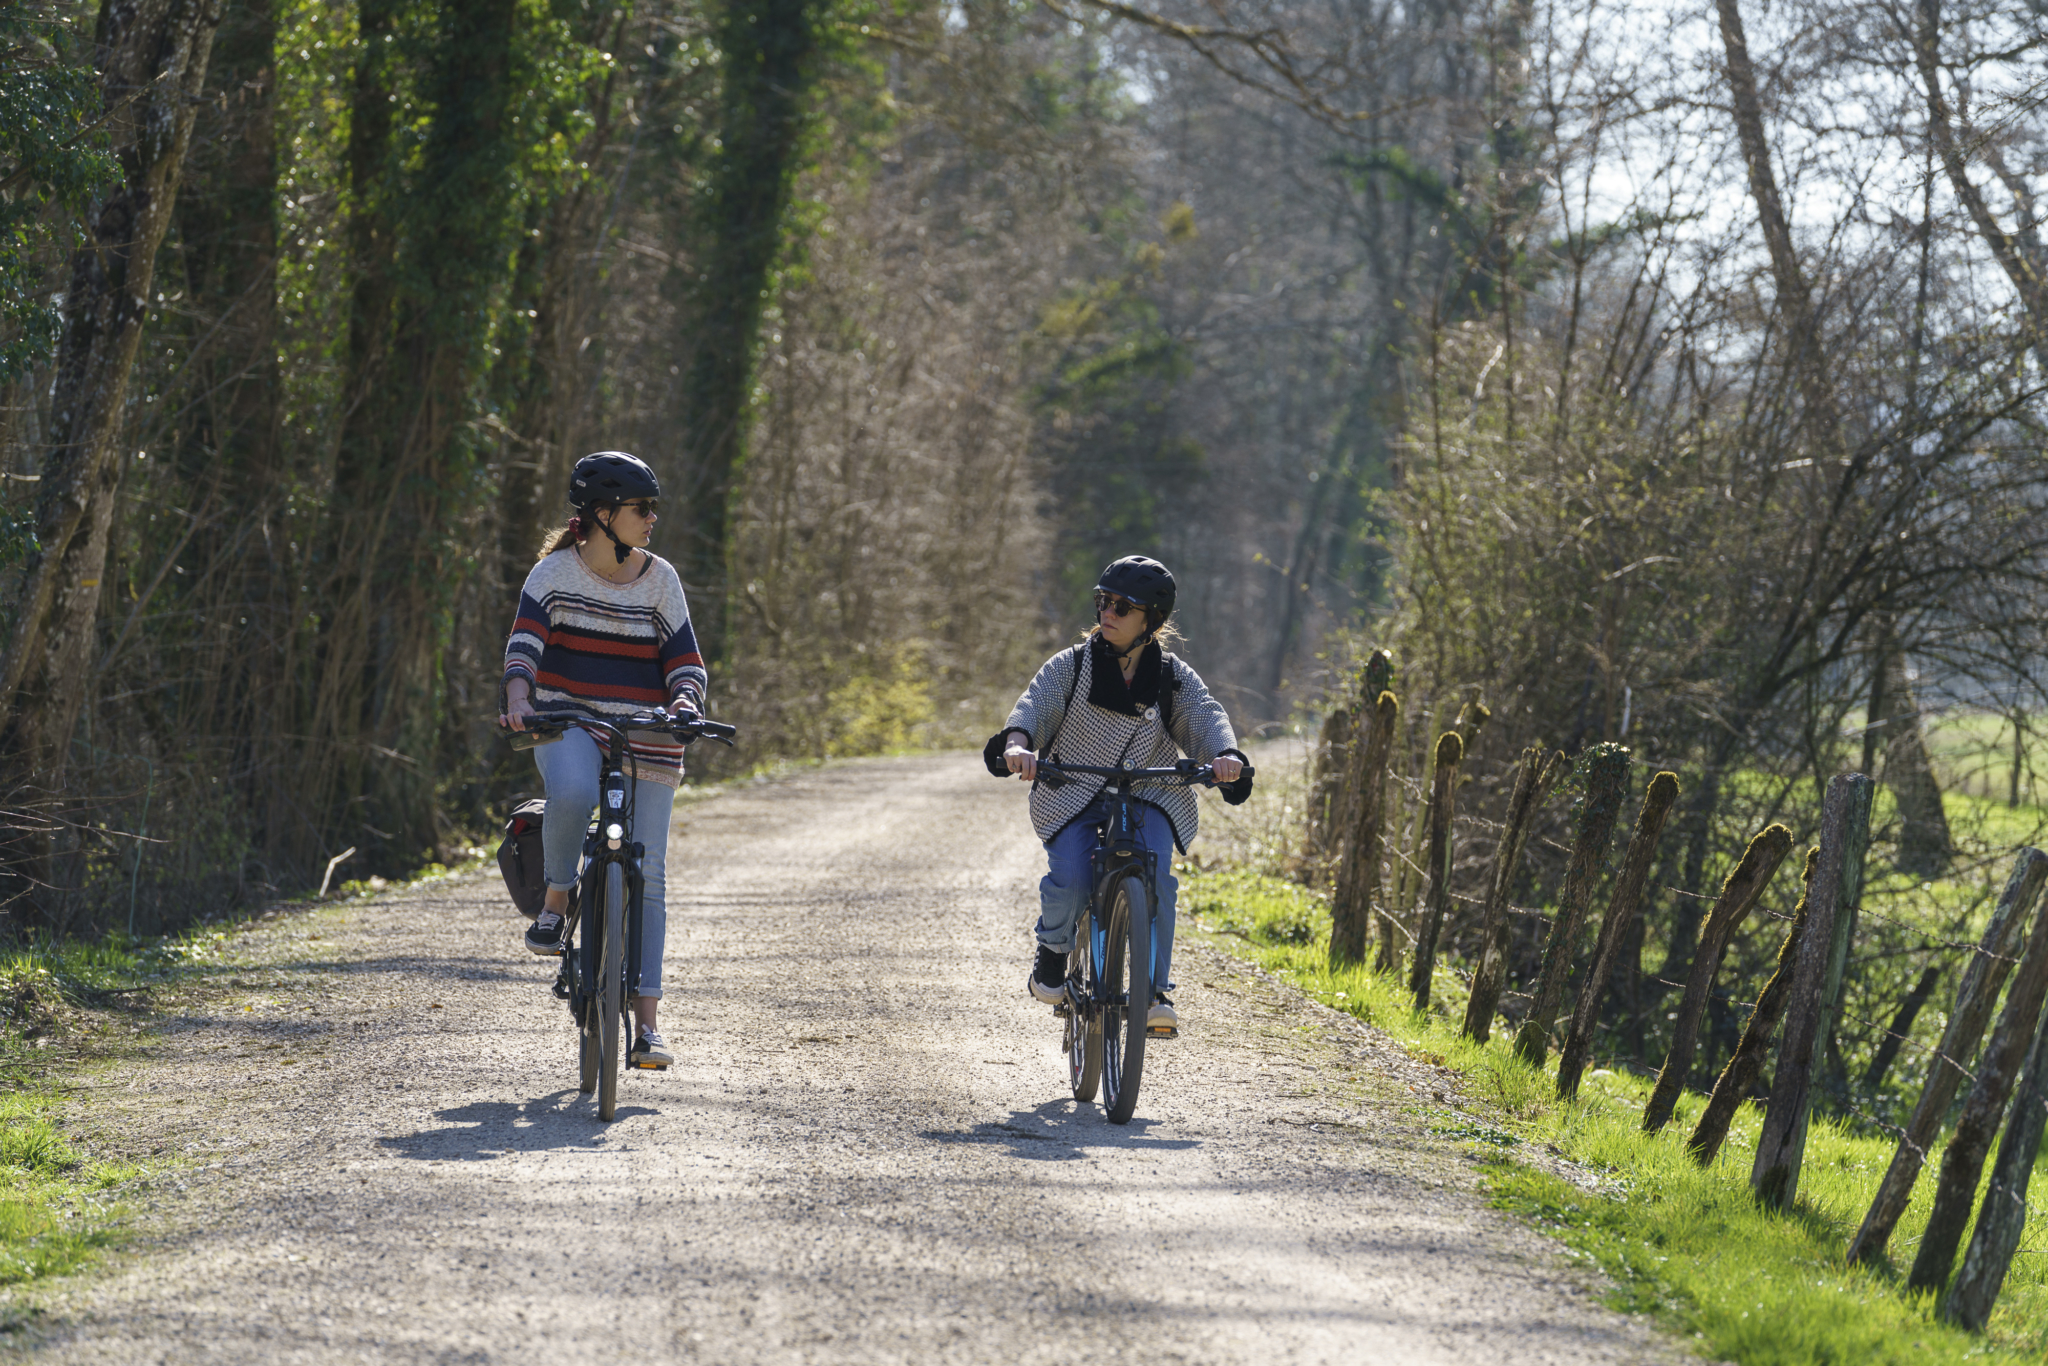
(1116, 606)
(646, 507)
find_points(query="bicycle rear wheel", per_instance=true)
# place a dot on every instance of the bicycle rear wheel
(1084, 1023)
(611, 990)
(1125, 996)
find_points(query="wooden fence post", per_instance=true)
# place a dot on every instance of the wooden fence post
(1412, 879)
(1976, 995)
(1738, 1078)
(1326, 791)
(1534, 777)
(1738, 895)
(1816, 987)
(2004, 1212)
(1606, 786)
(1358, 876)
(1443, 801)
(1955, 1191)
(1621, 912)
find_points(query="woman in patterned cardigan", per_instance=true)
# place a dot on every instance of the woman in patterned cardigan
(1118, 695)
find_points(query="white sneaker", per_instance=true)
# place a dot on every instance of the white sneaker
(1048, 983)
(544, 937)
(650, 1050)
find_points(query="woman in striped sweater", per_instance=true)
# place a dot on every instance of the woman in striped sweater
(604, 629)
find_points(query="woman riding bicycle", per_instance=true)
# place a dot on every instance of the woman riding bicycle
(604, 629)
(1117, 696)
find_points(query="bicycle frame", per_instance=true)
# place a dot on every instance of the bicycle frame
(1105, 1027)
(608, 843)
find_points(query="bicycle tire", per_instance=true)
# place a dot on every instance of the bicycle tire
(1083, 1035)
(611, 990)
(1125, 996)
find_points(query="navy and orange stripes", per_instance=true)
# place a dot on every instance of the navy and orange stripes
(584, 643)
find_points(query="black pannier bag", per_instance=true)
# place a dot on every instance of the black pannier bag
(521, 860)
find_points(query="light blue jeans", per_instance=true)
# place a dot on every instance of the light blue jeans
(573, 768)
(1063, 891)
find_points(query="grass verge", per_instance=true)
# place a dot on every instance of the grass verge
(1687, 1245)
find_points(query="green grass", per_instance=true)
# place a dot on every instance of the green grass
(1687, 1245)
(57, 1208)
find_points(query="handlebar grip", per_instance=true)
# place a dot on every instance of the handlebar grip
(1247, 772)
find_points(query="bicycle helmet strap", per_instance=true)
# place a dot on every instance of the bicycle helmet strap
(619, 547)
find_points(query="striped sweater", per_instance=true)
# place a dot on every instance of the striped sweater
(584, 643)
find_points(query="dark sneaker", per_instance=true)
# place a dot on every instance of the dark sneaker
(1049, 978)
(649, 1050)
(1162, 1021)
(545, 938)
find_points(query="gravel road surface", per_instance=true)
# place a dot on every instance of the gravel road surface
(866, 1151)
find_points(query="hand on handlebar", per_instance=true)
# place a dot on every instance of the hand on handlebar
(1226, 768)
(517, 709)
(1020, 760)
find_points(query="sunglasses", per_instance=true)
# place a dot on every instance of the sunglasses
(1114, 605)
(646, 507)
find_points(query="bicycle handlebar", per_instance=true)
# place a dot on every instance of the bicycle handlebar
(1187, 770)
(543, 726)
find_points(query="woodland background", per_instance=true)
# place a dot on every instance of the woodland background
(1663, 374)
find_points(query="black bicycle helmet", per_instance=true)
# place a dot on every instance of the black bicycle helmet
(610, 477)
(1145, 582)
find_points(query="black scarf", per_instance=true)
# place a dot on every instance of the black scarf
(1106, 686)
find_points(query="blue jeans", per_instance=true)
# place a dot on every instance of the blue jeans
(1064, 889)
(572, 769)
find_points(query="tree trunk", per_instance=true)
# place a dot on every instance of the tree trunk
(1795, 297)
(234, 449)
(1976, 995)
(1739, 894)
(1924, 842)
(1614, 929)
(427, 255)
(152, 63)
(1606, 785)
(2028, 273)
(769, 63)
(1738, 1078)
(1815, 989)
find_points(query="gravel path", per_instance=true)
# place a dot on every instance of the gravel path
(865, 1153)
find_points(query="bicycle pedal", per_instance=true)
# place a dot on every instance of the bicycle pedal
(650, 1067)
(1161, 1032)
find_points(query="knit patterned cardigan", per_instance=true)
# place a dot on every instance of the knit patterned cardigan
(1111, 721)
(584, 643)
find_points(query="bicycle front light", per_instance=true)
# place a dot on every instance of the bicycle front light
(615, 832)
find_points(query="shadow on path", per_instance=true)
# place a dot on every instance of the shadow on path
(487, 1129)
(1060, 1131)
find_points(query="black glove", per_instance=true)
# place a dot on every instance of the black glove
(992, 754)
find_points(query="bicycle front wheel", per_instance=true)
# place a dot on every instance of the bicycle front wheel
(1124, 996)
(1084, 1022)
(611, 990)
